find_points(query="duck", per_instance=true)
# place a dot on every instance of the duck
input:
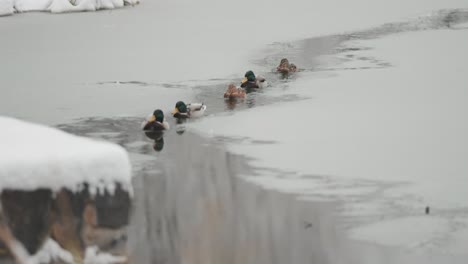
(285, 67)
(184, 111)
(155, 122)
(234, 92)
(251, 81)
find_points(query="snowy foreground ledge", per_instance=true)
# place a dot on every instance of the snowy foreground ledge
(8, 7)
(34, 156)
(63, 197)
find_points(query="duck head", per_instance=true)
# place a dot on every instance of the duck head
(180, 107)
(158, 115)
(284, 63)
(292, 67)
(249, 76)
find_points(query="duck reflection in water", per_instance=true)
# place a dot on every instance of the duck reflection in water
(231, 103)
(85, 226)
(180, 129)
(232, 95)
(180, 125)
(158, 137)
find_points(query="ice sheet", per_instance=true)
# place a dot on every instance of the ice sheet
(402, 123)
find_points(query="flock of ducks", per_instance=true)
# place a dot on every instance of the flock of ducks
(182, 111)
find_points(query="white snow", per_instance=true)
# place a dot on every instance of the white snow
(6, 7)
(32, 5)
(34, 156)
(459, 240)
(93, 256)
(416, 232)
(60, 6)
(18, 250)
(50, 252)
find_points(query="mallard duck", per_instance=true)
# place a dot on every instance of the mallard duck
(182, 111)
(285, 67)
(250, 81)
(155, 122)
(234, 92)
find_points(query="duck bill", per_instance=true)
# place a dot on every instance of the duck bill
(244, 80)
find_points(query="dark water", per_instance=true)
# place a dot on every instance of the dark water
(192, 202)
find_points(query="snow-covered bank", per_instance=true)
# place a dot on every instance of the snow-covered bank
(34, 156)
(403, 123)
(8, 7)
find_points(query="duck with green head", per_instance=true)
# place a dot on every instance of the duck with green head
(180, 110)
(183, 111)
(252, 81)
(249, 81)
(156, 122)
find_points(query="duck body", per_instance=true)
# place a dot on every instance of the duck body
(235, 95)
(180, 115)
(261, 82)
(233, 92)
(250, 81)
(184, 111)
(250, 85)
(285, 68)
(155, 122)
(196, 109)
(156, 126)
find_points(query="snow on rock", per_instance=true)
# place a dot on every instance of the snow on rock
(93, 256)
(103, 4)
(35, 156)
(49, 253)
(132, 2)
(6, 7)
(31, 5)
(63, 6)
